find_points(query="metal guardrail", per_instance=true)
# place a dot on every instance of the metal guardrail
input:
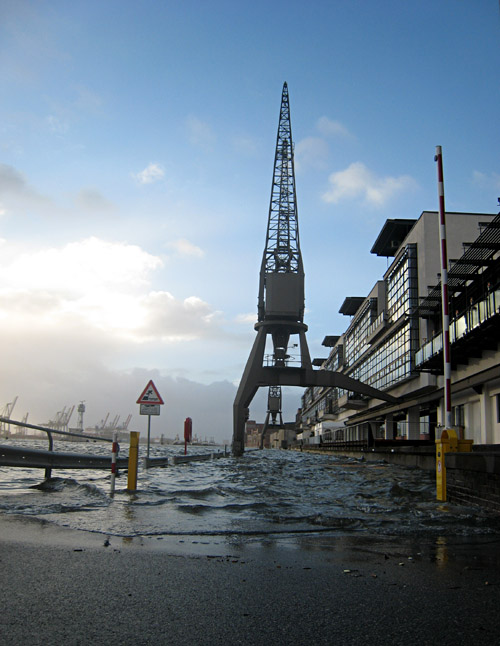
(49, 431)
(50, 455)
(15, 456)
(182, 459)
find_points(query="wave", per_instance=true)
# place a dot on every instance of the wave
(264, 493)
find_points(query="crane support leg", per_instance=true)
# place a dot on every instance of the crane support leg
(246, 391)
(263, 434)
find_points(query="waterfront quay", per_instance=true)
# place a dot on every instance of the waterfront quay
(472, 476)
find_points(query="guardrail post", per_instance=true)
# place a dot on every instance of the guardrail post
(48, 470)
(114, 453)
(133, 460)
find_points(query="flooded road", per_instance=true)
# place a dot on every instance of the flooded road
(264, 493)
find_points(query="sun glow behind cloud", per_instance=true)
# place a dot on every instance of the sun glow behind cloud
(105, 286)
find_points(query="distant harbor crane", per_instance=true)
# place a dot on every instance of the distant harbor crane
(81, 411)
(273, 412)
(6, 413)
(61, 421)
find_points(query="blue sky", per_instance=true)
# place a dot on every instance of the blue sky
(136, 151)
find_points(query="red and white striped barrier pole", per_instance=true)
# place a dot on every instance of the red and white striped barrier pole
(444, 290)
(114, 453)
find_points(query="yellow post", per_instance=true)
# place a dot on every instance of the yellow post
(133, 461)
(447, 442)
(465, 446)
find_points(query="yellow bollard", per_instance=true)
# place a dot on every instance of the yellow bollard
(133, 461)
(447, 442)
(465, 446)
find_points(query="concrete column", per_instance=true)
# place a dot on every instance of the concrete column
(486, 417)
(390, 428)
(413, 423)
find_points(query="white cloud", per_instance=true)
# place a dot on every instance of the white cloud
(484, 180)
(15, 190)
(311, 151)
(80, 267)
(183, 247)
(56, 125)
(246, 319)
(200, 133)
(246, 144)
(329, 128)
(152, 173)
(90, 199)
(358, 181)
(12, 181)
(314, 151)
(171, 320)
(102, 286)
(69, 313)
(87, 100)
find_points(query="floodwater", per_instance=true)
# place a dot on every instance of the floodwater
(264, 493)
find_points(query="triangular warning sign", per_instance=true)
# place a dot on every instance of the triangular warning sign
(150, 395)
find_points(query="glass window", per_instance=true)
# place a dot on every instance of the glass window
(356, 335)
(401, 285)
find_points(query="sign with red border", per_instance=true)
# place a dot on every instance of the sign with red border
(150, 395)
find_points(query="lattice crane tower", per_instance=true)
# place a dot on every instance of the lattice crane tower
(281, 296)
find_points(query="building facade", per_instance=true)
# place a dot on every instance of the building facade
(394, 341)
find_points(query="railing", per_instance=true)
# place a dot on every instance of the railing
(47, 461)
(376, 327)
(475, 316)
(289, 361)
(334, 445)
(16, 456)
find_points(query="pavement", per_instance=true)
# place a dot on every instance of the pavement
(67, 587)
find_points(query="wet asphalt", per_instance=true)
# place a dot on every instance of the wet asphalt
(297, 591)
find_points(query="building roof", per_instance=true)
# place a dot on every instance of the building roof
(391, 236)
(318, 362)
(351, 305)
(330, 341)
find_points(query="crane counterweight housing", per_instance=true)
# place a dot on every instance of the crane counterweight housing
(284, 296)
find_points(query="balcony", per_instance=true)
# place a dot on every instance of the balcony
(475, 330)
(354, 403)
(324, 415)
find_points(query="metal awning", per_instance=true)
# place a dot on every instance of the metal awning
(478, 255)
(391, 236)
(330, 341)
(351, 305)
(318, 362)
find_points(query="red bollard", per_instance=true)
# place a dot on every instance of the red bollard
(188, 432)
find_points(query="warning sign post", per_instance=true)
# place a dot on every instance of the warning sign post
(150, 401)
